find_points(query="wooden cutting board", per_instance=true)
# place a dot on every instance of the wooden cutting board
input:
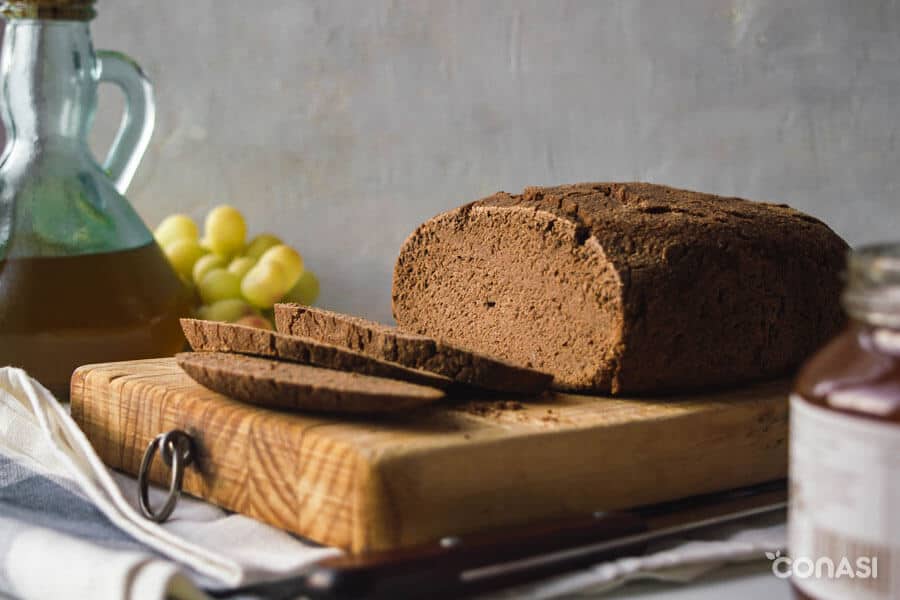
(450, 469)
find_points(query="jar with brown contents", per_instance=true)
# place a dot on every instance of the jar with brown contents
(844, 519)
(81, 278)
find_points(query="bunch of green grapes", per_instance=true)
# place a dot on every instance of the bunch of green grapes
(235, 281)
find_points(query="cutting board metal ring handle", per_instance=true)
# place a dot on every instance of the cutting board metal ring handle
(176, 449)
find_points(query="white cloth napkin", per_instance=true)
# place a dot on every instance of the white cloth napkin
(43, 563)
(37, 432)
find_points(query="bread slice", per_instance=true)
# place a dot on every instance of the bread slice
(415, 351)
(278, 384)
(625, 287)
(213, 336)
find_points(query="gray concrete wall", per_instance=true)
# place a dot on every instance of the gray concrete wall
(341, 124)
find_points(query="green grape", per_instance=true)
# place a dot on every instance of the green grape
(305, 291)
(205, 264)
(260, 244)
(219, 284)
(176, 227)
(240, 265)
(258, 321)
(225, 230)
(288, 258)
(228, 310)
(265, 284)
(182, 255)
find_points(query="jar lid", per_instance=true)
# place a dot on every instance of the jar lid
(872, 294)
(63, 10)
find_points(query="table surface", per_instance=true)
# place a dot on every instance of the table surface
(746, 581)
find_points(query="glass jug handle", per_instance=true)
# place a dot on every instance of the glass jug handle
(138, 118)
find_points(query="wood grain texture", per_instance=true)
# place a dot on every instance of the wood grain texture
(447, 469)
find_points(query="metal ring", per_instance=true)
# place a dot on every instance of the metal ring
(175, 448)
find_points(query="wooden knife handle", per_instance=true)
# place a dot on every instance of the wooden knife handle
(440, 570)
(503, 558)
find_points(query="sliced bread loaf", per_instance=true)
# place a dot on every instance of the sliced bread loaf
(278, 384)
(625, 287)
(415, 351)
(213, 336)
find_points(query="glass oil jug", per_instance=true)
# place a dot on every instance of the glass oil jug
(81, 278)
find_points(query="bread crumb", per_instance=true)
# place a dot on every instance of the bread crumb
(488, 409)
(550, 417)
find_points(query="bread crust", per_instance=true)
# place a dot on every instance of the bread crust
(213, 336)
(279, 384)
(415, 351)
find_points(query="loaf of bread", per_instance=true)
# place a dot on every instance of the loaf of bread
(625, 287)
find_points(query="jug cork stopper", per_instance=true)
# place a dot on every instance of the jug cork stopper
(63, 10)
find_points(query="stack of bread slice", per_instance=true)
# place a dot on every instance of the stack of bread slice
(320, 360)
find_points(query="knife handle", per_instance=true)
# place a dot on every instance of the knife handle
(456, 566)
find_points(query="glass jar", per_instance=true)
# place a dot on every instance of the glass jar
(844, 518)
(81, 278)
